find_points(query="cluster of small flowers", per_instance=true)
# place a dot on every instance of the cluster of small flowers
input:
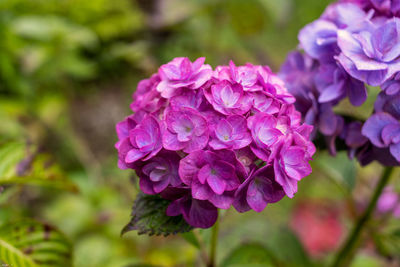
(353, 43)
(208, 139)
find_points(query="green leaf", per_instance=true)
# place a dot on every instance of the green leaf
(46, 28)
(339, 168)
(286, 247)
(21, 164)
(364, 260)
(191, 239)
(149, 217)
(33, 244)
(250, 255)
(388, 243)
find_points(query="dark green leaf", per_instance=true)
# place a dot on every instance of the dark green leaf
(149, 217)
(339, 168)
(250, 255)
(33, 244)
(286, 247)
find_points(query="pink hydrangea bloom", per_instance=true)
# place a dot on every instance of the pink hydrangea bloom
(209, 139)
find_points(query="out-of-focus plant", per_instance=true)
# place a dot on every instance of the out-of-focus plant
(33, 244)
(26, 242)
(352, 47)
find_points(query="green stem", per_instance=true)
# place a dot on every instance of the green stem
(203, 252)
(213, 246)
(346, 253)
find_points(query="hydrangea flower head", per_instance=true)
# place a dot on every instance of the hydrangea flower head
(209, 139)
(372, 54)
(353, 44)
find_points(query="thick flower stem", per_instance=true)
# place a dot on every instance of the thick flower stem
(347, 252)
(213, 245)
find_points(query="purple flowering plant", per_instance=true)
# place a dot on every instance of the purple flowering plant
(354, 45)
(353, 48)
(207, 139)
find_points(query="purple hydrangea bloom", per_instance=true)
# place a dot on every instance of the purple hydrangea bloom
(247, 76)
(389, 104)
(353, 43)
(181, 73)
(303, 76)
(392, 86)
(319, 40)
(228, 98)
(334, 84)
(147, 98)
(231, 133)
(159, 172)
(291, 166)
(186, 129)
(351, 15)
(371, 55)
(206, 139)
(266, 131)
(259, 189)
(383, 130)
(389, 7)
(198, 213)
(142, 142)
(353, 137)
(213, 176)
(263, 102)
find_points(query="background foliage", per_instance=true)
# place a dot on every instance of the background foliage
(67, 72)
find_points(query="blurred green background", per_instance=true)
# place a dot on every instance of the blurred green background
(68, 69)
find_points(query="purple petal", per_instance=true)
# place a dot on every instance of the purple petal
(332, 92)
(146, 186)
(189, 167)
(170, 141)
(224, 130)
(134, 155)
(201, 191)
(174, 208)
(288, 185)
(202, 214)
(223, 201)
(391, 133)
(240, 202)
(197, 143)
(327, 121)
(161, 185)
(357, 92)
(373, 127)
(395, 151)
(255, 198)
(348, 44)
(217, 184)
(318, 39)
